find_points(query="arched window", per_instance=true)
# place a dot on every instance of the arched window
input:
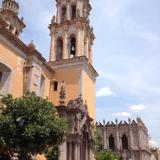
(72, 47)
(73, 12)
(111, 142)
(5, 79)
(59, 49)
(124, 142)
(63, 13)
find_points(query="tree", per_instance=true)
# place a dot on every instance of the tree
(30, 125)
(104, 155)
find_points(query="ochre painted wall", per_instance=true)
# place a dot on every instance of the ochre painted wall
(72, 78)
(89, 93)
(10, 58)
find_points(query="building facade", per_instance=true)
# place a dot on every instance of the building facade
(129, 139)
(23, 69)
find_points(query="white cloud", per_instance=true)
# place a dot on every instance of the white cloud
(106, 91)
(153, 143)
(122, 114)
(137, 108)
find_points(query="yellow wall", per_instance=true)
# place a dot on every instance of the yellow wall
(89, 94)
(72, 79)
(16, 63)
(10, 58)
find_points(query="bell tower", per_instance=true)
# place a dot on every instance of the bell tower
(71, 50)
(71, 33)
(9, 13)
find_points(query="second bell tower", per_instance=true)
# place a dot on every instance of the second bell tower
(71, 51)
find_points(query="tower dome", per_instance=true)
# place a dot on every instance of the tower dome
(9, 13)
(11, 5)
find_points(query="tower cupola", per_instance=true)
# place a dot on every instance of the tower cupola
(9, 13)
(11, 5)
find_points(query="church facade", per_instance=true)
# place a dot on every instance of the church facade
(129, 139)
(67, 79)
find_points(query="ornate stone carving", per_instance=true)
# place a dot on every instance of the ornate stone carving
(62, 94)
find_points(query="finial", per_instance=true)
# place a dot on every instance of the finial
(129, 120)
(116, 121)
(62, 94)
(53, 19)
(31, 45)
(104, 122)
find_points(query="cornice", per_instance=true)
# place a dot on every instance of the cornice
(81, 60)
(80, 22)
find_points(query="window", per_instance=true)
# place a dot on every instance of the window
(63, 13)
(0, 77)
(73, 16)
(124, 142)
(72, 47)
(111, 142)
(55, 85)
(59, 49)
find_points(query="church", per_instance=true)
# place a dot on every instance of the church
(67, 79)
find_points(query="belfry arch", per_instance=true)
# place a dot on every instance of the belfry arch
(73, 11)
(59, 48)
(63, 13)
(72, 50)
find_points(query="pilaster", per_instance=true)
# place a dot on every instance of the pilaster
(52, 48)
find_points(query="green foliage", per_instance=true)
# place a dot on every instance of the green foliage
(104, 155)
(98, 140)
(100, 154)
(52, 153)
(30, 124)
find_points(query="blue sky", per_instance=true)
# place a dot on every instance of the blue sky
(126, 55)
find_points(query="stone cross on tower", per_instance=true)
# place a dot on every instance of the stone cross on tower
(71, 33)
(9, 13)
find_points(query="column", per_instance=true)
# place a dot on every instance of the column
(77, 151)
(63, 151)
(104, 138)
(52, 48)
(70, 151)
(80, 42)
(87, 152)
(87, 48)
(68, 11)
(65, 46)
(58, 13)
(117, 138)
